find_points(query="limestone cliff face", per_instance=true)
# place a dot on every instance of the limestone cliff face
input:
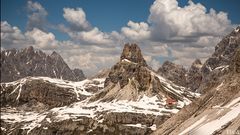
(201, 75)
(217, 110)
(133, 53)
(218, 64)
(17, 64)
(131, 78)
(194, 75)
(173, 72)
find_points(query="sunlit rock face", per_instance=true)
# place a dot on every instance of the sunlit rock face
(133, 53)
(217, 110)
(131, 79)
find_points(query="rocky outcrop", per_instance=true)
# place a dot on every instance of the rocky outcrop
(113, 123)
(130, 79)
(218, 105)
(173, 72)
(102, 73)
(43, 93)
(218, 64)
(28, 62)
(32, 94)
(199, 76)
(217, 110)
(235, 63)
(133, 53)
(194, 75)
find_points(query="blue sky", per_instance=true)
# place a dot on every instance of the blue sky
(90, 34)
(107, 15)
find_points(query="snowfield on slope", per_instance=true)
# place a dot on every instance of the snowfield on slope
(77, 87)
(144, 105)
(207, 126)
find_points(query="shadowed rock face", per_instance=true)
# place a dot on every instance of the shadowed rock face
(235, 65)
(173, 72)
(17, 64)
(36, 95)
(218, 64)
(194, 76)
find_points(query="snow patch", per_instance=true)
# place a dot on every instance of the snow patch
(126, 60)
(222, 67)
(30, 119)
(45, 128)
(197, 123)
(145, 105)
(219, 86)
(48, 120)
(236, 100)
(210, 127)
(77, 87)
(139, 125)
(236, 30)
(153, 127)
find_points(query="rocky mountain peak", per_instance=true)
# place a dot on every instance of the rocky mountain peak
(133, 53)
(224, 51)
(197, 64)
(228, 44)
(237, 29)
(194, 76)
(28, 62)
(173, 72)
(57, 57)
(131, 65)
(131, 79)
(168, 64)
(219, 63)
(55, 54)
(30, 49)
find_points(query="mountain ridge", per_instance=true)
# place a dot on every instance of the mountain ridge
(16, 64)
(217, 109)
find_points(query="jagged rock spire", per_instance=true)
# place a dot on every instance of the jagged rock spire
(133, 53)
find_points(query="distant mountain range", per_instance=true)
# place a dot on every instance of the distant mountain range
(129, 98)
(16, 64)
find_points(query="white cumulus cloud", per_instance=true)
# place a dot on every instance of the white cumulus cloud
(76, 17)
(94, 36)
(42, 39)
(37, 16)
(136, 31)
(170, 21)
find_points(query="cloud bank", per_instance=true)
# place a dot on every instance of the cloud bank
(180, 34)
